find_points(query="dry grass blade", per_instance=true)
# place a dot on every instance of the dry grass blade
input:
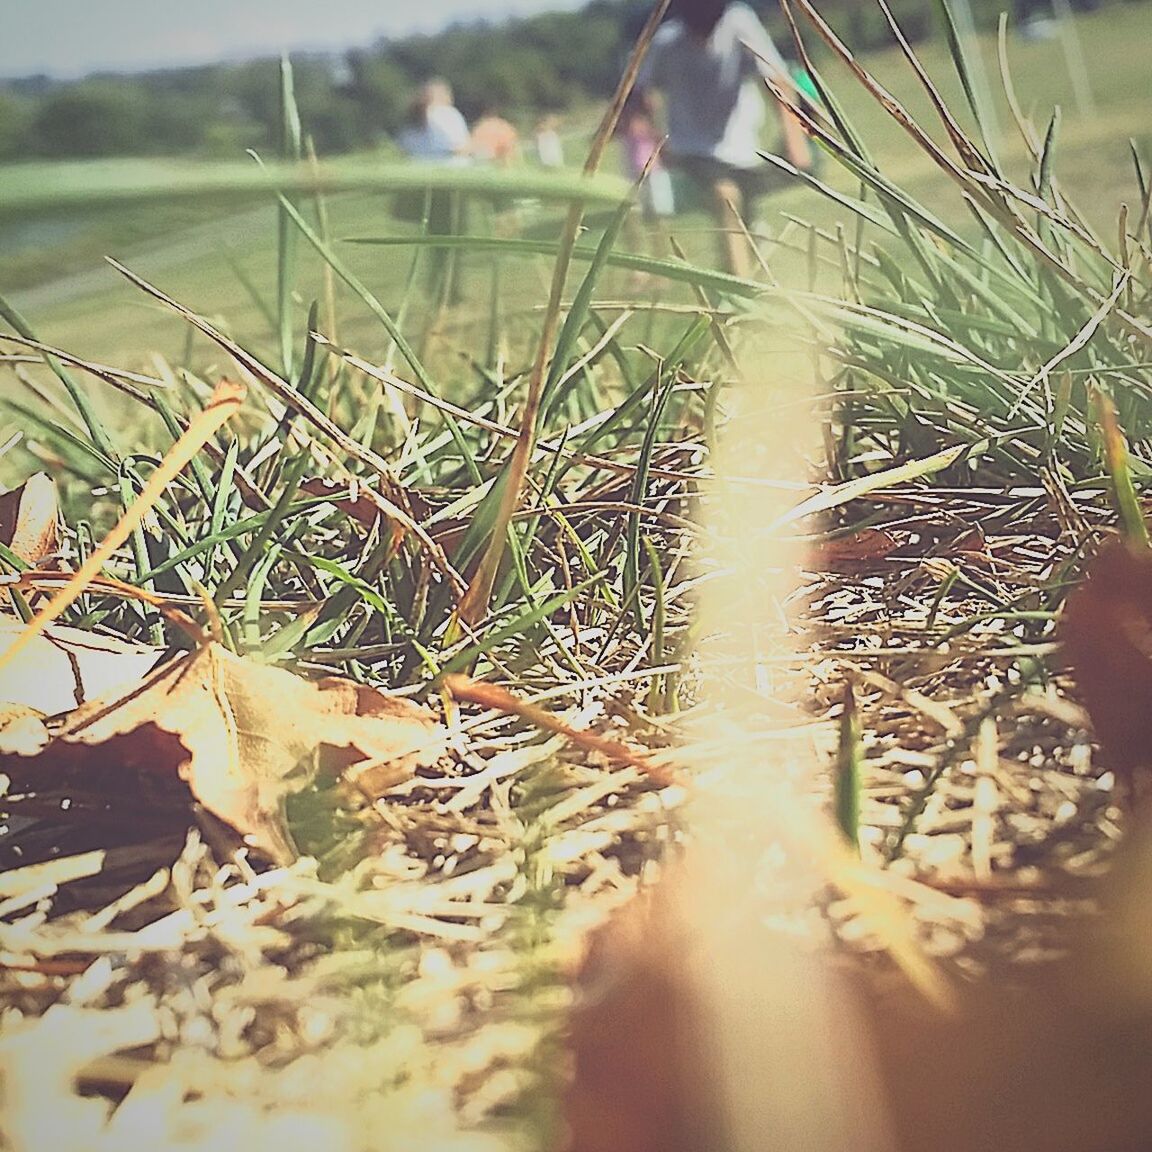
(501, 700)
(889, 102)
(968, 152)
(861, 486)
(35, 579)
(1076, 343)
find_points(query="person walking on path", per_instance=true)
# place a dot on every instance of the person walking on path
(708, 62)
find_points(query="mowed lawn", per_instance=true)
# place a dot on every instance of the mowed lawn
(222, 260)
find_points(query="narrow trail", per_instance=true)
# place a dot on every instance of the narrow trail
(149, 258)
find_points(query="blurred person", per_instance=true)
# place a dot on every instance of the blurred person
(708, 62)
(435, 129)
(549, 147)
(494, 139)
(437, 132)
(640, 139)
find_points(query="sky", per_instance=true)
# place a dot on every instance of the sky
(69, 38)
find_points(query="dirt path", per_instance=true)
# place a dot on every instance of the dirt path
(149, 259)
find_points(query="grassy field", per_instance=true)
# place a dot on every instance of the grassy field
(222, 263)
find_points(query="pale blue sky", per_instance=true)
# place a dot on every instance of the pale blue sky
(68, 38)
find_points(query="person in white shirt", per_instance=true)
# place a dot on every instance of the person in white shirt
(709, 62)
(436, 129)
(436, 132)
(549, 146)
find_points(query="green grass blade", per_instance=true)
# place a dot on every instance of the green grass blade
(847, 777)
(31, 188)
(973, 76)
(1133, 526)
(286, 235)
(101, 440)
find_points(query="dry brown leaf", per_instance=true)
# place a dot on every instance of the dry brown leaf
(243, 735)
(64, 667)
(968, 541)
(853, 552)
(642, 1079)
(349, 498)
(22, 729)
(1054, 1057)
(1107, 631)
(30, 517)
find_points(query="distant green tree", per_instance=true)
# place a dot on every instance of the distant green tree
(419, 57)
(179, 122)
(15, 119)
(380, 89)
(585, 49)
(549, 61)
(251, 92)
(509, 75)
(334, 122)
(93, 118)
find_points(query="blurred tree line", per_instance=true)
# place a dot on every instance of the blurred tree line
(549, 62)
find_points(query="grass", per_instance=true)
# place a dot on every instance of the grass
(512, 488)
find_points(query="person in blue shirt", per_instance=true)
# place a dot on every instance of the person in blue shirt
(708, 62)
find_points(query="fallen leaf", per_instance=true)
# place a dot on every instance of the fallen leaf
(243, 736)
(854, 551)
(1107, 633)
(665, 1058)
(362, 504)
(349, 498)
(64, 667)
(30, 518)
(642, 1080)
(22, 729)
(968, 540)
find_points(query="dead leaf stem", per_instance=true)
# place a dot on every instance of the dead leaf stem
(500, 699)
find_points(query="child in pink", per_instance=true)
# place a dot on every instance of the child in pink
(640, 139)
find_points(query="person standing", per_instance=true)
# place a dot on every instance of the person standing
(435, 127)
(640, 140)
(549, 146)
(494, 139)
(496, 142)
(437, 132)
(709, 62)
